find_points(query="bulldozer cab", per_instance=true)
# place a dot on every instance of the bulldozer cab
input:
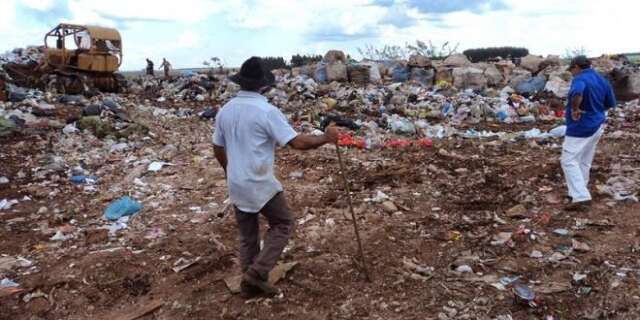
(85, 48)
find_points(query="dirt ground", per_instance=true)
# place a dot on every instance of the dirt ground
(452, 200)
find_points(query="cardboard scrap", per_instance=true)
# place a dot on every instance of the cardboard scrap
(553, 287)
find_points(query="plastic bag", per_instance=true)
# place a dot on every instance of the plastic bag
(558, 131)
(81, 179)
(374, 72)
(531, 86)
(401, 125)
(320, 75)
(400, 73)
(124, 206)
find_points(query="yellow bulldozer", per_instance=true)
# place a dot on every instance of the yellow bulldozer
(78, 59)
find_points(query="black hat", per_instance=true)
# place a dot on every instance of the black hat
(581, 61)
(252, 75)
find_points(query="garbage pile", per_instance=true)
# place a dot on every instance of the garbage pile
(532, 76)
(26, 55)
(19, 61)
(188, 87)
(418, 98)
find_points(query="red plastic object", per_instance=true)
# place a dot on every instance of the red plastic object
(425, 142)
(347, 140)
(397, 143)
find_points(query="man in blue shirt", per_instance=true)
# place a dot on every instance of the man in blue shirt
(589, 99)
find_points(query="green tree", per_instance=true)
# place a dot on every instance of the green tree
(485, 54)
(298, 60)
(272, 63)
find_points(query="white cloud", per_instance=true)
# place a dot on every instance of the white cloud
(42, 5)
(83, 14)
(12, 33)
(543, 26)
(304, 15)
(188, 39)
(283, 27)
(181, 11)
(7, 15)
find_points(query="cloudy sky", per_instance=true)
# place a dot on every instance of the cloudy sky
(189, 31)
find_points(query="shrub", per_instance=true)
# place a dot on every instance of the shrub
(428, 49)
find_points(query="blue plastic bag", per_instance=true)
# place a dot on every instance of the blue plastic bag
(531, 86)
(502, 115)
(400, 73)
(447, 109)
(82, 179)
(124, 206)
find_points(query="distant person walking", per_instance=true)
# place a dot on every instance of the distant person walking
(149, 67)
(167, 67)
(590, 96)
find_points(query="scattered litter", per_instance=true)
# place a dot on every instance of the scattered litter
(536, 254)
(8, 263)
(7, 204)
(83, 179)
(580, 246)
(155, 233)
(379, 197)
(553, 287)
(157, 166)
(524, 295)
(557, 257)
(578, 277)
(620, 188)
(8, 283)
(60, 236)
(34, 295)
(120, 224)
(416, 271)
(124, 206)
(119, 147)
(464, 269)
(183, 263)
(518, 211)
(501, 238)
(296, 174)
(561, 232)
(70, 129)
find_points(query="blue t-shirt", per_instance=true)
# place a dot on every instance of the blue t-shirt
(597, 98)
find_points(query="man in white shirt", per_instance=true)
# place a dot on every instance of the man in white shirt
(246, 132)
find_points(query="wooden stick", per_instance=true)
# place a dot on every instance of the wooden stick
(353, 215)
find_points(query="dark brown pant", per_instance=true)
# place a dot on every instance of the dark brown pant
(280, 221)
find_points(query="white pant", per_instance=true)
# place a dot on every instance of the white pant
(577, 155)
